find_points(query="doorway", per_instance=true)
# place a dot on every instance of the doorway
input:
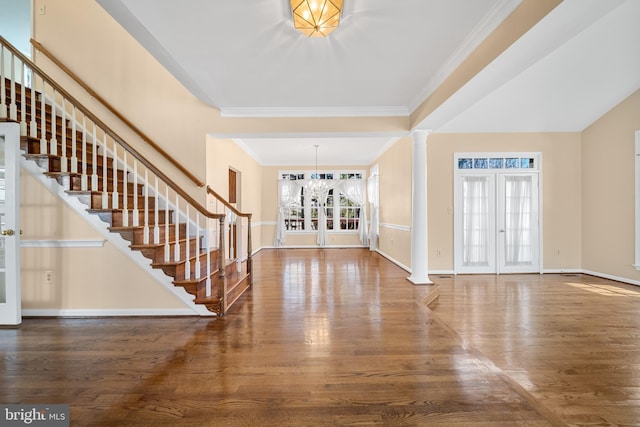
(10, 299)
(497, 213)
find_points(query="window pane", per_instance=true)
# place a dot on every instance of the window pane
(480, 164)
(496, 163)
(526, 163)
(513, 163)
(464, 164)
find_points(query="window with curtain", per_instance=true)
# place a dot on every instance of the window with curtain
(339, 210)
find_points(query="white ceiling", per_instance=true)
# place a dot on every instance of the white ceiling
(577, 63)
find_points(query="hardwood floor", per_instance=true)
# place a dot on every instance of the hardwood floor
(340, 337)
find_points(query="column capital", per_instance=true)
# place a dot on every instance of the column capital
(420, 134)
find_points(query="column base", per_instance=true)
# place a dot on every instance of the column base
(420, 280)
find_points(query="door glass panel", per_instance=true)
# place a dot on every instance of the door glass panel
(3, 286)
(475, 221)
(518, 220)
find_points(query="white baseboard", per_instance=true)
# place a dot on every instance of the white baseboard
(612, 277)
(562, 270)
(444, 272)
(393, 260)
(54, 312)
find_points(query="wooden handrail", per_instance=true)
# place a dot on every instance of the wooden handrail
(227, 204)
(116, 113)
(106, 129)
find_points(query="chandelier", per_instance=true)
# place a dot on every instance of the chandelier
(316, 186)
(316, 18)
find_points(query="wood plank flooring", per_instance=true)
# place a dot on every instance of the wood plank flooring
(340, 337)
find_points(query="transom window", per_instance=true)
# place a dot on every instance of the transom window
(483, 161)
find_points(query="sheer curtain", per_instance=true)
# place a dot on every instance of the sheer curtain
(289, 192)
(518, 207)
(374, 204)
(323, 234)
(475, 227)
(354, 190)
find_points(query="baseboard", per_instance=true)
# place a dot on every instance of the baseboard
(443, 272)
(393, 260)
(612, 277)
(116, 312)
(562, 270)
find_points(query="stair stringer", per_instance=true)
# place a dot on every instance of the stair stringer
(114, 238)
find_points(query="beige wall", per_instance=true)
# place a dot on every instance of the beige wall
(83, 278)
(223, 154)
(608, 191)
(394, 168)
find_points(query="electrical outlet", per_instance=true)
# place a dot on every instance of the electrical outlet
(48, 277)
(42, 10)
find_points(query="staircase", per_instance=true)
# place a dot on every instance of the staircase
(137, 201)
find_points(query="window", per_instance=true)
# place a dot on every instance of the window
(484, 161)
(342, 213)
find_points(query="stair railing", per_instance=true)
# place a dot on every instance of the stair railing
(147, 198)
(239, 227)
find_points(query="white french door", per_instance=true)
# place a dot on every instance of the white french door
(496, 221)
(10, 303)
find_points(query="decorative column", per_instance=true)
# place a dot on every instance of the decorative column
(419, 231)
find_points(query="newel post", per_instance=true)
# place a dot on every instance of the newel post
(249, 251)
(222, 282)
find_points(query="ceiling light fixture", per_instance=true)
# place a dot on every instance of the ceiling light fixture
(316, 185)
(316, 18)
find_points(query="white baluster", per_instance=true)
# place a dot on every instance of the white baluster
(208, 246)
(166, 224)
(43, 121)
(114, 194)
(176, 218)
(33, 125)
(197, 248)
(136, 216)
(64, 160)
(84, 179)
(74, 158)
(187, 266)
(23, 100)
(94, 161)
(13, 108)
(54, 133)
(3, 88)
(125, 189)
(146, 207)
(156, 207)
(238, 240)
(105, 181)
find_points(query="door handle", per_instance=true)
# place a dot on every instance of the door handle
(502, 231)
(8, 232)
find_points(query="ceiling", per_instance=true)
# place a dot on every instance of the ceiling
(385, 60)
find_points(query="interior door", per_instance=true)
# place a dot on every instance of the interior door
(497, 223)
(475, 224)
(10, 302)
(518, 223)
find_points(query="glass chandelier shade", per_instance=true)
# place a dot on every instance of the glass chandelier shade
(316, 18)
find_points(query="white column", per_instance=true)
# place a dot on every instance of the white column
(419, 231)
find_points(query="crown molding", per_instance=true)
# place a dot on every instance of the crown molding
(491, 21)
(272, 112)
